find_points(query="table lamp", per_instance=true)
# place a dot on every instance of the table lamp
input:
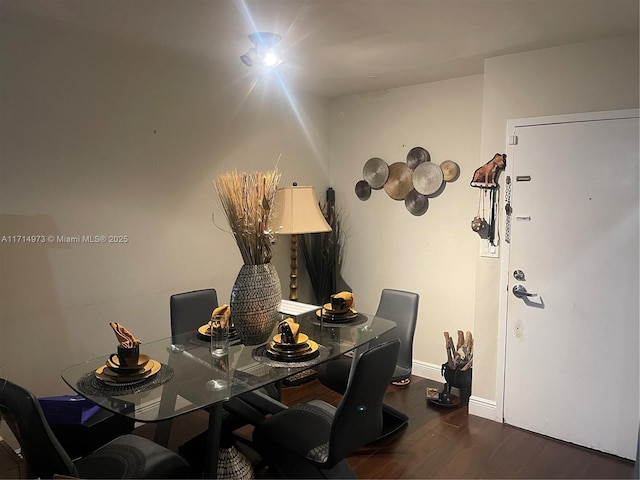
(296, 212)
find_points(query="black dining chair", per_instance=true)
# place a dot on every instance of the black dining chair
(401, 307)
(312, 440)
(189, 311)
(127, 456)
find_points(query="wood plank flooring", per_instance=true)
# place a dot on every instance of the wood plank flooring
(443, 443)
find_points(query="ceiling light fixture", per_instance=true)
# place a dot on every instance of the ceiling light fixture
(264, 52)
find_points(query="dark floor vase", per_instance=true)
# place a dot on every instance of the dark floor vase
(255, 301)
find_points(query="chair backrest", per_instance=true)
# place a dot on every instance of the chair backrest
(43, 454)
(190, 310)
(358, 418)
(402, 308)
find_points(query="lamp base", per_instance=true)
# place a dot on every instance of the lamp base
(293, 276)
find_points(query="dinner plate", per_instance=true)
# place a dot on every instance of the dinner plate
(294, 357)
(289, 347)
(204, 331)
(279, 350)
(105, 374)
(302, 339)
(337, 317)
(328, 308)
(117, 372)
(142, 361)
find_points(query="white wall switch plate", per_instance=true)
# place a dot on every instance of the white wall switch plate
(488, 250)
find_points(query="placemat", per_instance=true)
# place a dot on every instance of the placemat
(361, 318)
(90, 385)
(260, 355)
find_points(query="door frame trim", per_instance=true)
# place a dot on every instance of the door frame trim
(505, 247)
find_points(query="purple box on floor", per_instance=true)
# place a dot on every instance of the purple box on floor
(67, 409)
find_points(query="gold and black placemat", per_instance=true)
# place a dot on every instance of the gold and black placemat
(260, 355)
(90, 385)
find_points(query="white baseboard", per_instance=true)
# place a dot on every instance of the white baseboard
(481, 407)
(426, 370)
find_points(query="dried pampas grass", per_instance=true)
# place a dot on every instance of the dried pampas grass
(247, 200)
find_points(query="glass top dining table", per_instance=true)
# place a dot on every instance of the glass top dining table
(189, 378)
(189, 371)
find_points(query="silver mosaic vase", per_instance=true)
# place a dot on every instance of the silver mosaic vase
(255, 301)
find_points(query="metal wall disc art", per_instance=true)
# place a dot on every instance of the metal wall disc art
(413, 181)
(427, 178)
(450, 170)
(416, 156)
(416, 203)
(399, 182)
(363, 190)
(375, 172)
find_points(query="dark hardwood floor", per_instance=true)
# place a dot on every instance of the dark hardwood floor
(443, 443)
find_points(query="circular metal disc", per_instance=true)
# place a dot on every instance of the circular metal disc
(363, 190)
(399, 181)
(427, 178)
(375, 172)
(450, 170)
(416, 203)
(416, 156)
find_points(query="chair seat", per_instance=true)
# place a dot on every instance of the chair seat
(131, 456)
(312, 440)
(128, 456)
(335, 374)
(402, 308)
(302, 430)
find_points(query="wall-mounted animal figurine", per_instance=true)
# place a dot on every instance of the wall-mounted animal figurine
(485, 176)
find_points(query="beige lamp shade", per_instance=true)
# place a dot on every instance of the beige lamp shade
(297, 211)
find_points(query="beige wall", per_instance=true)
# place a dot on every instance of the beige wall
(108, 138)
(587, 77)
(433, 254)
(101, 137)
(437, 254)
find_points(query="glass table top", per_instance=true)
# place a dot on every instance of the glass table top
(188, 377)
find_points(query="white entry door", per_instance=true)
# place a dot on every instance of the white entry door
(571, 361)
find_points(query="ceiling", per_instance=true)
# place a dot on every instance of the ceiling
(337, 47)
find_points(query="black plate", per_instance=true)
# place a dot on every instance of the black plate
(337, 317)
(233, 335)
(289, 348)
(301, 358)
(312, 352)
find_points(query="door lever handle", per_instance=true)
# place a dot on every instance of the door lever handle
(521, 292)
